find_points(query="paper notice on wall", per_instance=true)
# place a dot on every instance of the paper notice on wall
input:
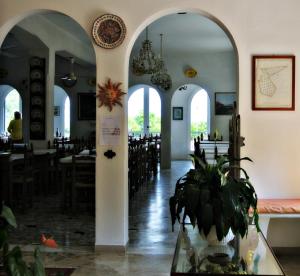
(110, 131)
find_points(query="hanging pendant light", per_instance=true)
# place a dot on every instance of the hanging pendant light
(161, 78)
(146, 61)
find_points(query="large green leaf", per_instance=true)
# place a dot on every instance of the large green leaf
(3, 237)
(14, 263)
(8, 215)
(38, 267)
(207, 216)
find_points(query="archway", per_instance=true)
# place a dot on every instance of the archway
(212, 77)
(61, 113)
(144, 111)
(11, 101)
(197, 118)
(37, 89)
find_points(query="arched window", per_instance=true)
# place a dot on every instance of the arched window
(67, 118)
(144, 111)
(200, 115)
(12, 103)
(61, 112)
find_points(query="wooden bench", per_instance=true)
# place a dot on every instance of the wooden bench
(276, 208)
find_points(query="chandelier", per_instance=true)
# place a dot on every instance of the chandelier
(161, 78)
(146, 61)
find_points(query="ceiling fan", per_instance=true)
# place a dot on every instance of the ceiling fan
(70, 79)
(71, 75)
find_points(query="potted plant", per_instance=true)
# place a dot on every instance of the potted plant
(212, 197)
(12, 258)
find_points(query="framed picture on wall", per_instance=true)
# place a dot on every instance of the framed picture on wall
(86, 106)
(224, 103)
(56, 110)
(273, 82)
(177, 113)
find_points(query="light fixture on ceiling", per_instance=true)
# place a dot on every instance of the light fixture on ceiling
(145, 62)
(161, 78)
(70, 79)
(70, 76)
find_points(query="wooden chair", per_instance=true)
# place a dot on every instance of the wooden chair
(21, 181)
(83, 180)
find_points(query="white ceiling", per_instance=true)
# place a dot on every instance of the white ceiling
(182, 33)
(69, 25)
(185, 33)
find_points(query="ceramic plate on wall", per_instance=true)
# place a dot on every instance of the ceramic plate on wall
(37, 100)
(109, 31)
(36, 127)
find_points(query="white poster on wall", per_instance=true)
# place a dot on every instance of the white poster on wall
(110, 131)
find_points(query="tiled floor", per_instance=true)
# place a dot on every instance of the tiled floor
(46, 217)
(152, 242)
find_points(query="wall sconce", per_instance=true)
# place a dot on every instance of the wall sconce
(190, 72)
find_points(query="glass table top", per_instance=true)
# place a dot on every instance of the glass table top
(252, 255)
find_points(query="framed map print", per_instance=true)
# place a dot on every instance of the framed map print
(273, 82)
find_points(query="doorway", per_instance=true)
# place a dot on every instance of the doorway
(48, 207)
(191, 41)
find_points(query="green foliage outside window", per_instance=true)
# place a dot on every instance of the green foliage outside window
(136, 124)
(197, 128)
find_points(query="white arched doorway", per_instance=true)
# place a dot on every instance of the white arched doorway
(11, 101)
(144, 111)
(53, 34)
(61, 112)
(200, 116)
(195, 103)
(212, 76)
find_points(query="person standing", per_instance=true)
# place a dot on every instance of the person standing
(15, 128)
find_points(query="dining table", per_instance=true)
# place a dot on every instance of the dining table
(43, 161)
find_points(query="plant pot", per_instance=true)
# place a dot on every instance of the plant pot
(212, 238)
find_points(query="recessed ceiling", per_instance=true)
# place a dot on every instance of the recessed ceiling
(69, 25)
(185, 33)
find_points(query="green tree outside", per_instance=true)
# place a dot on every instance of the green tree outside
(197, 128)
(136, 124)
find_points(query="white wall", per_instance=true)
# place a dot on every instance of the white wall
(258, 27)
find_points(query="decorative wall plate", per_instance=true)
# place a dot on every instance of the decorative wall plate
(37, 100)
(108, 31)
(36, 127)
(36, 74)
(36, 87)
(37, 114)
(36, 61)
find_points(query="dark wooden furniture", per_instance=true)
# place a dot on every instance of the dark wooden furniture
(21, 180)
(66, 167)
(143, 160)
(83, 180)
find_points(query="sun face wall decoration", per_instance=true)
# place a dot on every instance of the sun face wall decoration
(110, 94)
